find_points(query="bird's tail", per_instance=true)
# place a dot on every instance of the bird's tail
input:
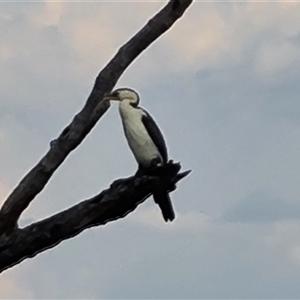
(163, 200)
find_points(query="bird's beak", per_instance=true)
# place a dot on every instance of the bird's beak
(111, 96)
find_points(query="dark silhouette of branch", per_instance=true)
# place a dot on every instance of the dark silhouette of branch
(34, 182)
(121, 198)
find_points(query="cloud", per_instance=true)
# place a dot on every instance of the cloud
(199, 48)
(93, 39)
(11, 288)
(204, 83)
(21, 147)
(210, 37)
(295, 254)
(112, 261)
(51, 14)
(272, 59)
(214, 36)
(284, 237)
(262, 207)
(2, 140)
(39, 38)
(5, 52)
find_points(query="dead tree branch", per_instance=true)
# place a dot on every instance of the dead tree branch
(121, 198)
(94, 108)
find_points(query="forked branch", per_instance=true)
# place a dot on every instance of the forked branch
(34, 182)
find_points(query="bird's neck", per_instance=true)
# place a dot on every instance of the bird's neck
(126, 109)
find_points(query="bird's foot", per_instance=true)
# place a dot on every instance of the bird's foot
(156, 162)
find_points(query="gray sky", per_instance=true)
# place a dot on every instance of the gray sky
(223, 84)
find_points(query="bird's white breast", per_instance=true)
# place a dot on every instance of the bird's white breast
(137, 136)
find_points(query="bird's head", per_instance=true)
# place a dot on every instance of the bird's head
(122, 94)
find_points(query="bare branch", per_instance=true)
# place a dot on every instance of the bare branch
(34, 182)
(121, 198)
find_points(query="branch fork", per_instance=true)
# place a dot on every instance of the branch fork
(122, 197)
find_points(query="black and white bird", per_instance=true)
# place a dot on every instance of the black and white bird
(144, 139)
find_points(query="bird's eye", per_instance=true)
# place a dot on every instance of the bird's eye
(115, 94)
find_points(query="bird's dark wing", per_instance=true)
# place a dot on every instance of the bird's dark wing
(155, 134)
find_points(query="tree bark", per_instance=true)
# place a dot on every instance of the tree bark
(17, 244)
(123, 196)
(94, 108)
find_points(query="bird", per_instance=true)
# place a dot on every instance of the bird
(144, 139)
